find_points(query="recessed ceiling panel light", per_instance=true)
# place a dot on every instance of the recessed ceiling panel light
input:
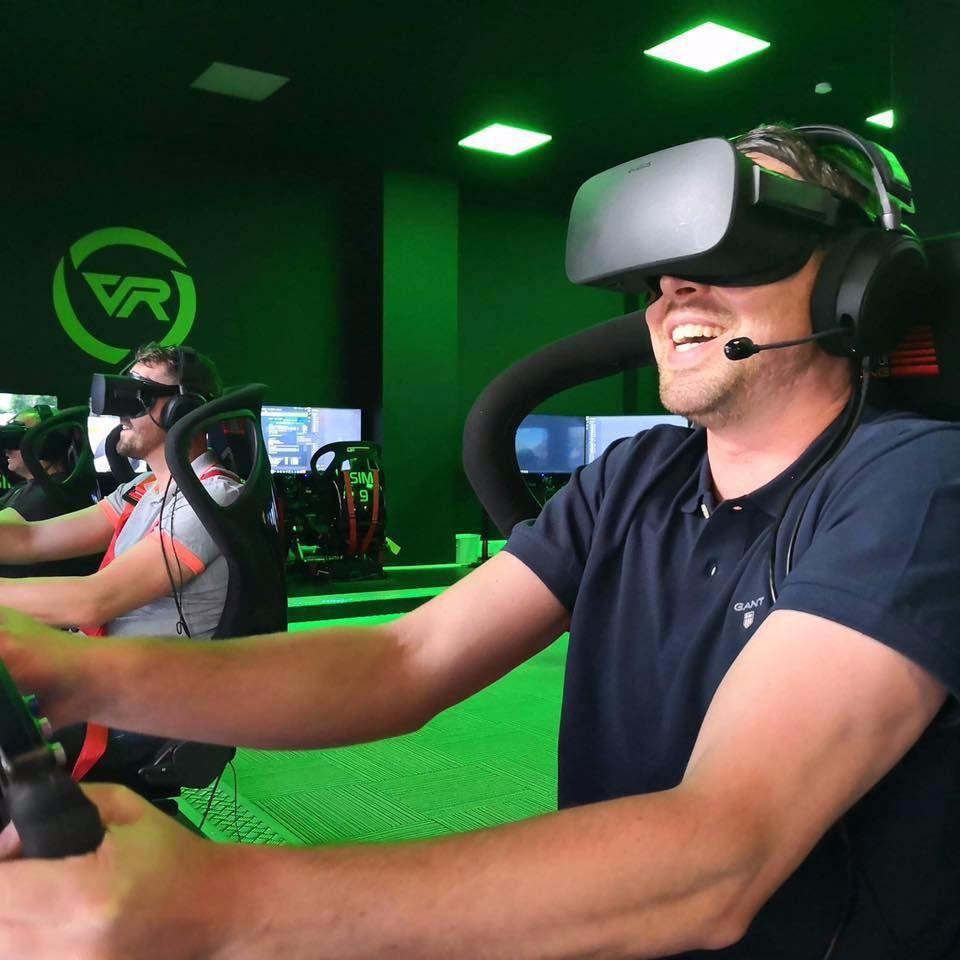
(884, 119)
(707, 47)
(502, 139)
(239, 82)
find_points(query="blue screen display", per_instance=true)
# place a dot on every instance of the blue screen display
(550, 444)
(602, 431)
(293, 434)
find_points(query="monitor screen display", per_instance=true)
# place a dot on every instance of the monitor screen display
(602, 431)
(550, 444)
(13, 403)
(294, 434)
(97, 430)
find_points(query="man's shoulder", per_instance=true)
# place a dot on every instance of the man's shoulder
(213, 473)
(902, 448)
(906, 434)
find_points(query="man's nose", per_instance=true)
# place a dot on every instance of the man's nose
(678, 288)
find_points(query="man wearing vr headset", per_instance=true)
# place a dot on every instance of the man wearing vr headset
(769, 782)
(31, 500)
(162, 573)
(26, 500)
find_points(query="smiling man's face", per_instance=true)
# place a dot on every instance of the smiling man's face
(690, 323)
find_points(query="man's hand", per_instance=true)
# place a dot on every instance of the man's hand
(152, 890)
(47, 662)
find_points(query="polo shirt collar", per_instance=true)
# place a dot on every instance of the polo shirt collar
(771, 496)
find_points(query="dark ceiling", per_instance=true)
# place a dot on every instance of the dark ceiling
(400, 84)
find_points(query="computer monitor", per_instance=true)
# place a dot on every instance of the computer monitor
(97, 430)
(294, 434)
(602, 431)
(550, 444)
(14, 403)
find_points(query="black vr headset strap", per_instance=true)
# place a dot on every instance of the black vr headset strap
(189, 398)
(891, 184)
(872, 280)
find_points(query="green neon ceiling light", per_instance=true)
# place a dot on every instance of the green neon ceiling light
(505, 140)
(707, 47)
(883, 119)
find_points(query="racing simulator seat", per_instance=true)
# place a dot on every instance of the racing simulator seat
(335, 517)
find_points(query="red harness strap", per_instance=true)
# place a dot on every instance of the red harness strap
(97, 736)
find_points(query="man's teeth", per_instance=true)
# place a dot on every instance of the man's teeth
(688, 335)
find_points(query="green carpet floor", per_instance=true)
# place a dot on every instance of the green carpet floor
(489, 760)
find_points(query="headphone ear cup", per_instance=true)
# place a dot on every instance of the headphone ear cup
(176, 408)
(873, 282)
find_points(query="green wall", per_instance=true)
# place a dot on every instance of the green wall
(271, 253)
(420, 415)
(469, 288)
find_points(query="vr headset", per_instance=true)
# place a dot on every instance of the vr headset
(123, 396)
(701, 210)
(704, 212)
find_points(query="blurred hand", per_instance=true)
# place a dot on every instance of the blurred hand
(152, 890)
(46, 662)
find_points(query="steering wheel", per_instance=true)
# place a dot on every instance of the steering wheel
(51, 813)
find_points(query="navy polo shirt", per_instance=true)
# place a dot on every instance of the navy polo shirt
(665, 586)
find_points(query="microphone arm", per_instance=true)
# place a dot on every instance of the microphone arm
(742, 347)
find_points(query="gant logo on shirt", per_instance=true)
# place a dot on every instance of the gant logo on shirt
(749, 610)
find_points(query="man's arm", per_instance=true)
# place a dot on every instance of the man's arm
(314, 688)
(137, 577)
(78, 534)
(644, 876)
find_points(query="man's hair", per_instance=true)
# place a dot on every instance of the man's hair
(843, 170)
(202, 374)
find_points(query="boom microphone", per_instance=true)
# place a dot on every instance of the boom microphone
(742, 347)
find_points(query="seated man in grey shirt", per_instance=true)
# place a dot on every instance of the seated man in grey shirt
(162, 573)
(162, 517)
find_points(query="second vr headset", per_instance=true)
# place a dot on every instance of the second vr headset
(704, 212)
(122, 395)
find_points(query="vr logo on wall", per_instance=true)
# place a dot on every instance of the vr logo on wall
(128, 293)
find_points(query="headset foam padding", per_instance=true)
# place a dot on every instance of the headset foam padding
(874, 282)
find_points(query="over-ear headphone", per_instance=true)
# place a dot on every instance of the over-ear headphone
(189, 374)
(871, 280)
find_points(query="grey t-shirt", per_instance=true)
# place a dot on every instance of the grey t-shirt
(186, 543)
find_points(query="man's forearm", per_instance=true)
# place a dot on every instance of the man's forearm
(639, 877)
(312, 689)
(16, 538)
(61, 601)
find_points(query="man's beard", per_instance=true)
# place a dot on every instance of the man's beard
(127, 446)
(720, 399)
